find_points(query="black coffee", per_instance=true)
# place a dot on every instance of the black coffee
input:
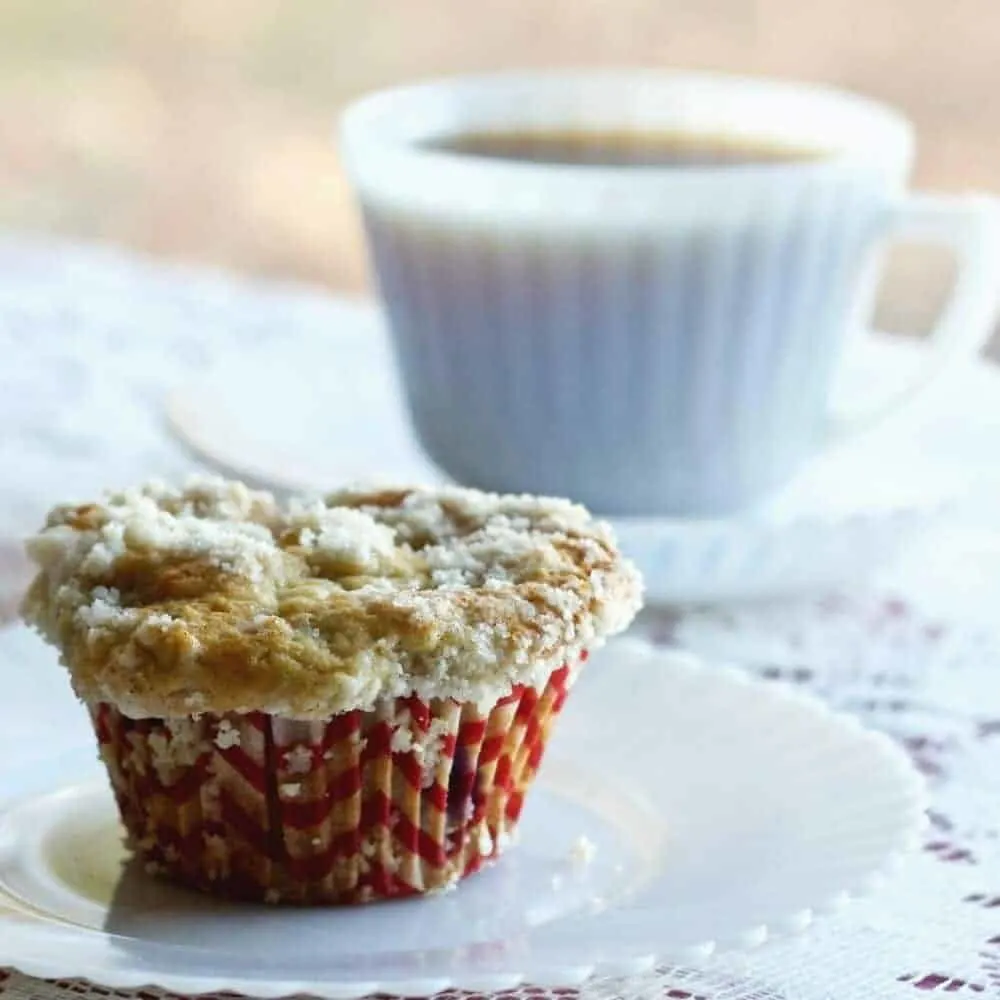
(622, 148)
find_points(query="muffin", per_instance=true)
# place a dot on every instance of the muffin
(324, 700)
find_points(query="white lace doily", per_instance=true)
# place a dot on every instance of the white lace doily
(91, 338)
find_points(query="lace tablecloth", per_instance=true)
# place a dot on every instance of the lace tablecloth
(92, 338)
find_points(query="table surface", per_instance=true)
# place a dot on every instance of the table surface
(93, 337)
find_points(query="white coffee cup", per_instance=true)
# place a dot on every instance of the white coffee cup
(647, 340)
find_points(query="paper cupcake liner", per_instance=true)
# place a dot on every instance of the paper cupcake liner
(405, 799)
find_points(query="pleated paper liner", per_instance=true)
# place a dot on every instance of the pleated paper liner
(405, 799)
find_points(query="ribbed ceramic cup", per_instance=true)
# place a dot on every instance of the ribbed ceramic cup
(647, 340)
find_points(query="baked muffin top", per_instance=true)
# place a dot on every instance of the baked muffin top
(217, 598)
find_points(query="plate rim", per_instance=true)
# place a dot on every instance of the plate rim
(537, 969)
(743, 556)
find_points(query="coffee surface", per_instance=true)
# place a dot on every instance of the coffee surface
(622, 148)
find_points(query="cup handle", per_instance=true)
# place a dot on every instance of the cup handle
(969, 225)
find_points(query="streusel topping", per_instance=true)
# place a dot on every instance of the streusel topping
(214, 597)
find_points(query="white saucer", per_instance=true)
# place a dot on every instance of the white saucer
(722, 810)
(326, 408)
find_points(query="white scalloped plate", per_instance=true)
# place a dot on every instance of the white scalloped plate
(723, 810)
(325, 408)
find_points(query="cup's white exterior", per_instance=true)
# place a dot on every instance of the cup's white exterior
(645, 341)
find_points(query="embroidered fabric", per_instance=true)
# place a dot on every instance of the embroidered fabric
(91, 337)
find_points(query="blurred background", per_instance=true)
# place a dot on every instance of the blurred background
(201, 129)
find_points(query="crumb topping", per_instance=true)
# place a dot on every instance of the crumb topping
(227, 736)
(582, 852)
(213, 597)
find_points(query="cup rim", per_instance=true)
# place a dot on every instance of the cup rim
(376, 124)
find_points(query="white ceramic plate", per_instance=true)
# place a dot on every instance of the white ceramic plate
(722, 810)
(327, 409)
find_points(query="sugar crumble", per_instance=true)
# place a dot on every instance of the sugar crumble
(582, 852)
(151, 594)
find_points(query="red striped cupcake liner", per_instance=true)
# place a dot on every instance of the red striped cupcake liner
(404, 799)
